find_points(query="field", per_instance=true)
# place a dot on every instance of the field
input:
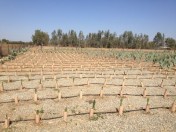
(6, 49)
(89, 90)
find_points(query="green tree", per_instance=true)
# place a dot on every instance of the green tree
(40, 37)
(81, 39)
(128, 39)
(159, 39)
(65, 40)
(54, 39)
(59, 35)
(171, 43)
(73, 40)
(5, 41)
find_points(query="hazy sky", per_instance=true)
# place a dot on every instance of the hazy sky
(20, 18)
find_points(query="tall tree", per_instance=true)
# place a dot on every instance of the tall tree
(40, 37)
(54, 39)
(81, 39)
(171, 43)
(128, 39)
(59, 35)
(159, 39)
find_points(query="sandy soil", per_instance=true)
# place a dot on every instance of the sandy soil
(72, 74)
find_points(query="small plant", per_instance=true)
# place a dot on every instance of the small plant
(121, 101)
(41, 111)
(65, 109)
(93, 105)
(73, 79)
(148, 99)
(120, 110)
(147, 109)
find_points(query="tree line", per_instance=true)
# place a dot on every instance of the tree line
(6, 41)
(100, 39)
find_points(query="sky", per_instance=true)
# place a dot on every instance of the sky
(20, 18)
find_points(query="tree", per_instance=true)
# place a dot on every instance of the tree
(159, 39)
(40, 37)
(72, 36)
(65, 39)
(171, 43)
(59, 35)
(128, 39)
(81, 39)
(54, 39)
(5, 41)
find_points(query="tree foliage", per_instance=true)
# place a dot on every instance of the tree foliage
(40, 38)
(107, 39)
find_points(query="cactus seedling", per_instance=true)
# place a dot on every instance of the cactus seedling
(147, 109)
(121, 107)
(148, 99)
(93, 105)
(121, 101)
(37, 116)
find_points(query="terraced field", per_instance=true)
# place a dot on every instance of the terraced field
(70, 90)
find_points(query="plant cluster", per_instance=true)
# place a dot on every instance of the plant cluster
(13, 54)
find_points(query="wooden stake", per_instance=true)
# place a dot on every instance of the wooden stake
(101, 92)
(147, 109)
(35, 97)
(7, 122)
(2, 87)
(16, 100)
(8, 79)
(59, 95)
(65, 114)
(37, 118)
(144, 93)
(165, 94)
(91, 113)
(173, 107)
(161, 85)
(142, 85)
(80, 94)
(121, 110)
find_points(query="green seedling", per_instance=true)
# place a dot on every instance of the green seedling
(93, 106)
(148, 99)
(65, 109)
(41, 111)
(121, 101)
